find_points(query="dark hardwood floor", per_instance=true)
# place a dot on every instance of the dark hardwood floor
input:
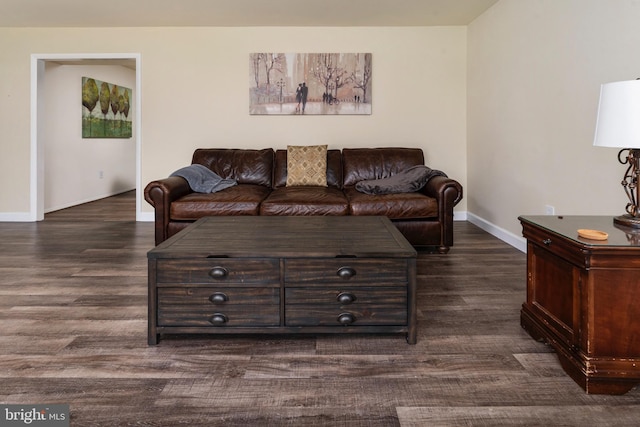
(73, 316)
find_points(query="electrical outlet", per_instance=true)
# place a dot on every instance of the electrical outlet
(549, 210)
(100, 174)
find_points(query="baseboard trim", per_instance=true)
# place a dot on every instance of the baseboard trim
(460, 216)
(15, 217)
(509, 238)
(146, 217)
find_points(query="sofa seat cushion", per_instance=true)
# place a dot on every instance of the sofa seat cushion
(393, 206)
(301, 201)
(241, 199)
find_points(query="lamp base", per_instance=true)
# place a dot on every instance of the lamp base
(627, 221)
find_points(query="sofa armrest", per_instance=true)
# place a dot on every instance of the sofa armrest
(445, 189)
(448, 193)
(160, 194)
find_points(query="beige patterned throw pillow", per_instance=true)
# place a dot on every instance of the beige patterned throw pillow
(307, 165)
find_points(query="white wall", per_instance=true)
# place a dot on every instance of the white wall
(80, 170)
(195, 93)
(535, 70)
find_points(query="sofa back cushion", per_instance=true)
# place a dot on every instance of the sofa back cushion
(361, 164)
(244, 165)
(334, 169)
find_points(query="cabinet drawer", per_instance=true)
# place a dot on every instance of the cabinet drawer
(330, 315)
(231, 307)
(557, 245)
(232, 316)
(217, 297)
(369, 271)
(345, 297)
(238, 272)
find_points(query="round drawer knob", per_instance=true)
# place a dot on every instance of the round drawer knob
(346, 319)
(346, 298)
(219, 297)
(346, 272)
(219, 272)
(218, 319)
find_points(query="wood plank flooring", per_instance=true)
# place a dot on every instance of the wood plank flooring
(73, 316)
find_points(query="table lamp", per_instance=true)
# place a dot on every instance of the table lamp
(618, 125)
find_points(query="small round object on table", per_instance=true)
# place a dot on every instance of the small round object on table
(592, 234)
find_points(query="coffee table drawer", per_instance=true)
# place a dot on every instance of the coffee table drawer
(369, 271)
(238, 272)
(218, 307)
(345, 297)
(329, 315)
(247, 316)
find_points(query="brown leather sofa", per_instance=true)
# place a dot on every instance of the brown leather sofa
(424, 217)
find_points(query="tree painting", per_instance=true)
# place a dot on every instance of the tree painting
(310, 83)
(89, 96)
(104, 102)
(113, 120)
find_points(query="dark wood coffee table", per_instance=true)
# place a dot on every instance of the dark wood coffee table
(241, 274)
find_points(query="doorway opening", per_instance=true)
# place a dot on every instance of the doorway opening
(39, 64)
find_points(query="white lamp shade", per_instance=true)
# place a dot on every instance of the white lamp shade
(618, 123)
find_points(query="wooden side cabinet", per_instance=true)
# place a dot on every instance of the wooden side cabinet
(583, 298)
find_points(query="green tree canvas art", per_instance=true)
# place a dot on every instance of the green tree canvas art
(112, 118)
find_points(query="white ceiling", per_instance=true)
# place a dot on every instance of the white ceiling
(239, 13)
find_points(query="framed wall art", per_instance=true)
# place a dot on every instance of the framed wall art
(106, 110)
(310, 83)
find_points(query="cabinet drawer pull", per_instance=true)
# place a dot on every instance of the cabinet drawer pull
(218, 272)
(346, 319)
(346, 298)
(346, 273)
(219, 297)
(218, 319)
(546, 242)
